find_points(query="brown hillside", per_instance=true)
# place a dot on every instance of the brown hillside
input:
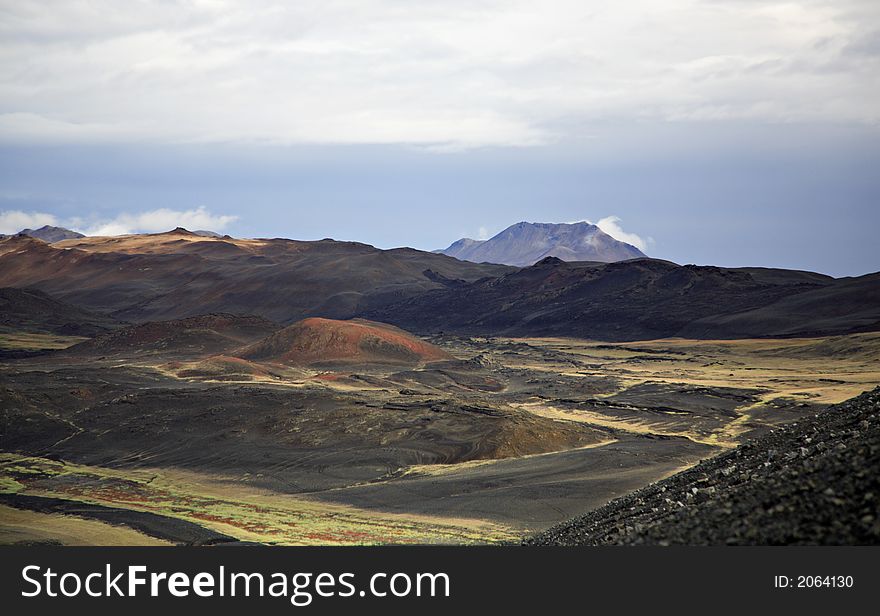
(161, 276)
(317, 340)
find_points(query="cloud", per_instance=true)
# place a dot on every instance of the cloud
(34, 128)
(611, 226)
(483, 233)
(13, 221)
(442, 76)
(156, 221)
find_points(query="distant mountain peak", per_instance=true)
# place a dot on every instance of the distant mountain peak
(51, 234)
(526, 243)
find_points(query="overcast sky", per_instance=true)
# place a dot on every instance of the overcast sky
(731, 132)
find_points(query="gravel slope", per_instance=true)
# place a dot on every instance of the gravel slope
(812, 482)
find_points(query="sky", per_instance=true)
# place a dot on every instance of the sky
(724, 132)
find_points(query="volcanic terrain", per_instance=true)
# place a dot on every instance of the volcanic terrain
(501, 401)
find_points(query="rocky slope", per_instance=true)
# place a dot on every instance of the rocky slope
(816, 481)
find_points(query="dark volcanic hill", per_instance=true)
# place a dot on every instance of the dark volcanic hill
(526, 243)
(811, 482)
(197, 336)
(31, 310)
(179, 274)
(847, 305)
(644, 299)
(317, 340)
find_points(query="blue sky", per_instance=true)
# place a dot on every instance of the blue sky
(728, 132)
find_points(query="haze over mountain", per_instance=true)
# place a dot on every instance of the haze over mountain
(526, 243)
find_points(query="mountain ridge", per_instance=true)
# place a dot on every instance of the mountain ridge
(177, 274)
(643, 299)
